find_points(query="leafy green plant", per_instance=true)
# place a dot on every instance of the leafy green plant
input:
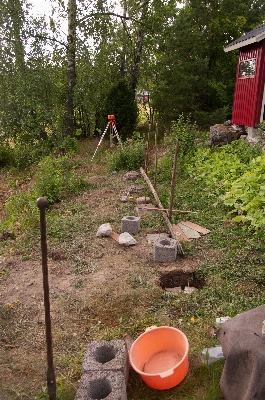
(21, 210)
(220, 167)
(6, 155)
(57, 178)
(247, 194)
(130, 156)
(184, 132)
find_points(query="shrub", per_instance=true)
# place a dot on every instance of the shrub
(220, 167)
(128, 157)
(6, 155)
(22, 211)
(183, 132)
(57, 179)
(121, 102)
(247, 194)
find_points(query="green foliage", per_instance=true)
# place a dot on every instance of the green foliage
(69, 145)
(121, 102)
(184, 132)
(237, 173)
(218, 168)
(6, 156)
(57, 179)
(247, 194)
(22, 212)
(25, 155)
(128, 157)
(201, 76)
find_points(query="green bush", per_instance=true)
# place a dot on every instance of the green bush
(184, 132)
(57, 179)
(218, 168)
(128, 157)
(6, 155)
(247, 194)
(22, 212)
(120, 101)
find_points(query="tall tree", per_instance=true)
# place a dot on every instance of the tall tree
(194, 73)
(69, 124)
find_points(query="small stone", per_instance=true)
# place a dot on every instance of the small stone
(104, 230)
(190, 289)
(124, 199)
(126, 239)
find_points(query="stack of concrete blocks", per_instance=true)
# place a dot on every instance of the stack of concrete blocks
(130, 224)
(165, 250)
(105, 371)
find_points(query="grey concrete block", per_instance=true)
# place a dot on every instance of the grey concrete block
(108, 385)
(130, 224)
(107, 356)
(165, 250)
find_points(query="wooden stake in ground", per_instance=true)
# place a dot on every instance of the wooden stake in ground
(156, 135)
(42, 204)
(180, 250)
(147, 147)
(173, 182)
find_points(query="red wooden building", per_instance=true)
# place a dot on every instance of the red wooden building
(249, 95)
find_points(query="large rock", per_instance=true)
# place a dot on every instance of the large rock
(221, 134)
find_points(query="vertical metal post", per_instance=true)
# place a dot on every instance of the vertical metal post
(42, 204)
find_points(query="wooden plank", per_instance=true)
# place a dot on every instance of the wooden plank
(166, 209)
(181, 235)
(174, 236)
(189, 232)
(115, 236)
(196, 227)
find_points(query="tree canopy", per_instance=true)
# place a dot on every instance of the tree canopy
(56, 85)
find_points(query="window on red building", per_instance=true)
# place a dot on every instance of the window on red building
(247, 68)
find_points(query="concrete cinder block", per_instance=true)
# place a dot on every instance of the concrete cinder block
(107, 356)
(165, 250)
(108, 385)
(130, 224)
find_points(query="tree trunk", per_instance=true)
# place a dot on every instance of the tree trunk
(69, 119)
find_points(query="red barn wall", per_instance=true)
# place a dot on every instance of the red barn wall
(248, 94)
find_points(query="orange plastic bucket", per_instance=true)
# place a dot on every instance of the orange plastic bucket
(160, 356)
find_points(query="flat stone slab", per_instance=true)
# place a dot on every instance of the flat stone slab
(189, 232)
(135, 189)
(126, 239)
(152, 237)
(190, 289)
(141, 210)
(176, 289)
(131, 176)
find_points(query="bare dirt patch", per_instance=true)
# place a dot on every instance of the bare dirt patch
(97, 288)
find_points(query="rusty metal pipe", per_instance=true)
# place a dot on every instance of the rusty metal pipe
(42, 204)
